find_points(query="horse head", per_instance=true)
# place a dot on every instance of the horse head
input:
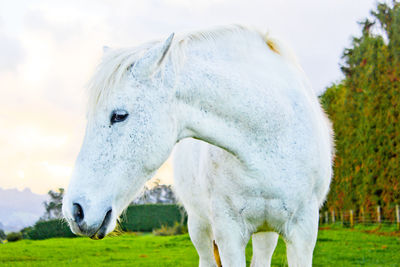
(130, 132)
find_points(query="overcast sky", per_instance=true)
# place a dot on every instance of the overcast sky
(48, 50)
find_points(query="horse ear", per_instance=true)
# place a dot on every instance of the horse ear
(152, 59)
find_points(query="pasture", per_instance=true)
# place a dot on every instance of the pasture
(335, 247)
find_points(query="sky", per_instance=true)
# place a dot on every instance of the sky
(49, 49)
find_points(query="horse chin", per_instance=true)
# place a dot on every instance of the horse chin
(98, 236)
(102, 231)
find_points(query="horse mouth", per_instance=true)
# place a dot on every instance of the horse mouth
(102, 230)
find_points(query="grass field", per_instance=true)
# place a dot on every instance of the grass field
(335, 247)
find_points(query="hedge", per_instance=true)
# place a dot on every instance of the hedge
(146, 218)
(49, 229)
(14, 236)
(143, 218)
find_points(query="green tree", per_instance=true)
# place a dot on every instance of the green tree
(2, 235)
(364, 109)
(54, 205)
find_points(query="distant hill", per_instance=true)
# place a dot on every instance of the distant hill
(19, 209)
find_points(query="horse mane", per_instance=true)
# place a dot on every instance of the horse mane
(115, 63)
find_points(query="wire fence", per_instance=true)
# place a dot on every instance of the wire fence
(360, 216)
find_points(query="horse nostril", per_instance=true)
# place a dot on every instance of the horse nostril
(77, 213)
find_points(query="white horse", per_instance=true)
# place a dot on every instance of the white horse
(263, 170)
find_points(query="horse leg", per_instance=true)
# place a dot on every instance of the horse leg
(264, 244)
(231, 238)
(231, 246)
(302, 236)
(200, 234)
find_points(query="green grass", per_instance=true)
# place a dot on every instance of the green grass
(335, 247)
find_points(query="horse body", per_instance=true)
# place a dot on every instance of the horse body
(265, 164)
(275, 166)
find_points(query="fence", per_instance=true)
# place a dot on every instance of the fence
(359, 216)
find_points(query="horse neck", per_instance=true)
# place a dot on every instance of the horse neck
(223, 102)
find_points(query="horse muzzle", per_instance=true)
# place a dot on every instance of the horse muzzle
(80, 226)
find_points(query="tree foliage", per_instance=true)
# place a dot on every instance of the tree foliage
(54, 205)
(2, 235)
(364, 109)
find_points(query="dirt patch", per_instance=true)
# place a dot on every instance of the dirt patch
(377, 232)
(325, 228)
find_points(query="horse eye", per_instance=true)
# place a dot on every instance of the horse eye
(118, 116)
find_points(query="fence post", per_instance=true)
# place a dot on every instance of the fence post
(341, 217)
(326, 217)
(351, 219)
(362, 215)
(398, 217)
(333, 215)
(378, 214)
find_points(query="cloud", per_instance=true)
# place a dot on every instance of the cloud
(38, 147)
(317, 30)
(48, 50)
(61, 28)
(11, 52)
